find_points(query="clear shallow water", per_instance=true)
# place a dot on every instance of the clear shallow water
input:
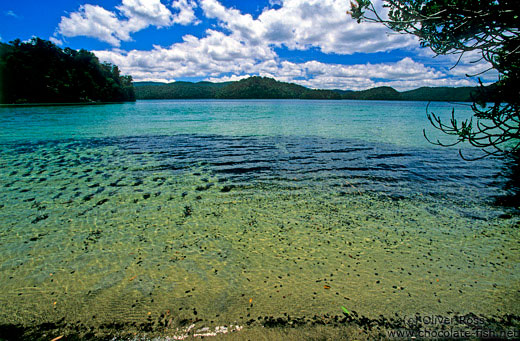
(224, 212)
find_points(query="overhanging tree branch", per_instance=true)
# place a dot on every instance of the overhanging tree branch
(450, 27)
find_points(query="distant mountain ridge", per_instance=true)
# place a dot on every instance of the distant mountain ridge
(268, 88)
(250, 88)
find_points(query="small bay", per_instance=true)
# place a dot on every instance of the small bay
(232, 212)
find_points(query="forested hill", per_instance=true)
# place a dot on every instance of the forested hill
(447, 94)
(262, 87)
(38, 71)
(250, 88)
(177, 90)
(267, 88)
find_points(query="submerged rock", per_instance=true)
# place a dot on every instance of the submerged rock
(40, 218)
(227, 188)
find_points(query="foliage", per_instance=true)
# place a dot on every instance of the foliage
(250, 88)
(383, 93)
(263, 87)
(258, 88)
(177, 90)
(428, 94)
(445, 94)
(489, 27)
(38, 71)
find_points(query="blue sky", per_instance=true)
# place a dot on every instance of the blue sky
(310, 42)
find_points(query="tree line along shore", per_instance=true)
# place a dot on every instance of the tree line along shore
(38, 71)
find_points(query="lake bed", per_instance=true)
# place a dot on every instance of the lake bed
(164, 214)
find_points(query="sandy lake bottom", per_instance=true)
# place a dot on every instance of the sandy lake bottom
(159, 233)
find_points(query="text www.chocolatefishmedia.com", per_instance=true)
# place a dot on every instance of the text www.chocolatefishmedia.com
(454, 333)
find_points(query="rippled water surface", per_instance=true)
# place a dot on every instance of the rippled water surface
(225, 212)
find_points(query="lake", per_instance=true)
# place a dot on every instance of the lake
(158, 215)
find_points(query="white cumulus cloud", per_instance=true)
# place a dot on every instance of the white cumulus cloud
(132, 16)
(241, 45)
(232, 78)
(212, 55)
(93, 21)
(303, 24)
(185, 12)
(56, 41)
(219, 58)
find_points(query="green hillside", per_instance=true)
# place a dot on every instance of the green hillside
(178, 90)
(268, 88)
(263, 88)
(250, 88)
(463, 94)
(380, 93)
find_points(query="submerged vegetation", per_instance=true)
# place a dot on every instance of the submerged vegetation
(267, 88)
(38, 71)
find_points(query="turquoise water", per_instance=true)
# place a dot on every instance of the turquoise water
(226, 212)
(398, 123)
